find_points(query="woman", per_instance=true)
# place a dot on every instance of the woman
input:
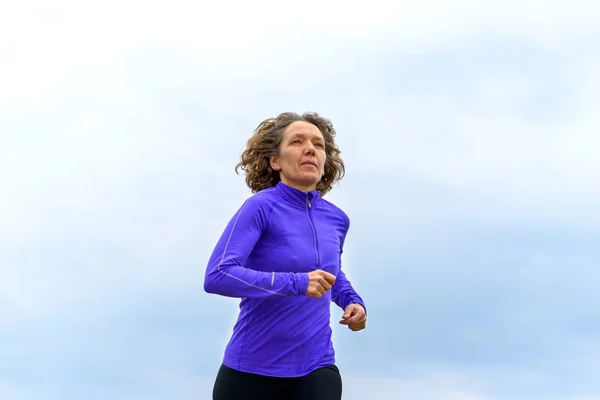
(281, 254)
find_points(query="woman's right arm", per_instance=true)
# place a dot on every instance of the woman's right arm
(226, 273)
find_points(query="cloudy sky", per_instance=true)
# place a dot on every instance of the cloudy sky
(470, 130)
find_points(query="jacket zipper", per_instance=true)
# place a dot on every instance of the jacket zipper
(312, 225)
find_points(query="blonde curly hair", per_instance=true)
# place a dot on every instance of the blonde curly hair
(266, 141)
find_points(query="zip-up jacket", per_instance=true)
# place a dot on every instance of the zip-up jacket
(273, 241)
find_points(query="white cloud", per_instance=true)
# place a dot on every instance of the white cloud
(544, 167)
(6, 391)
(46, 43)
(438, 386)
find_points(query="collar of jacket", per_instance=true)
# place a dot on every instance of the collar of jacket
(299, 197)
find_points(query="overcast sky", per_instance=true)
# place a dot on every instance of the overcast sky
(470, 132)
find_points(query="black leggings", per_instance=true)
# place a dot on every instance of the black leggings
(322, 384)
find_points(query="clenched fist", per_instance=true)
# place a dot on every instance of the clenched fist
(355, 317)
(319, 282)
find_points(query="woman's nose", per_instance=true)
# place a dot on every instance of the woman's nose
(310, 148)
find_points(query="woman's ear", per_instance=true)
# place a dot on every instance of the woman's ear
(274, 161)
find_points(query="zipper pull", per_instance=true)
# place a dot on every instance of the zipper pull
(308, 202)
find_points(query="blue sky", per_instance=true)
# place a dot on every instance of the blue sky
(470, 133)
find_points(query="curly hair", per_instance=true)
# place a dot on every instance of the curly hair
(266, 141)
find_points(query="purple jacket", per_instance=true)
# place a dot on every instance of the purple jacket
(264, 256)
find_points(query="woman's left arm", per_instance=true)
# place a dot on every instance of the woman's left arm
(342, 292)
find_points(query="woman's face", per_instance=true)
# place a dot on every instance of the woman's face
(301, 158)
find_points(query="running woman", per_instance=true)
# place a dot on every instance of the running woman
(281, 255)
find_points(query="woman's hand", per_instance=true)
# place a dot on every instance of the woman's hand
(355, 317)
(319, 282)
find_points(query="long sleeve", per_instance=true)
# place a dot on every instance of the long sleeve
(227, 274)
(342, 292)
